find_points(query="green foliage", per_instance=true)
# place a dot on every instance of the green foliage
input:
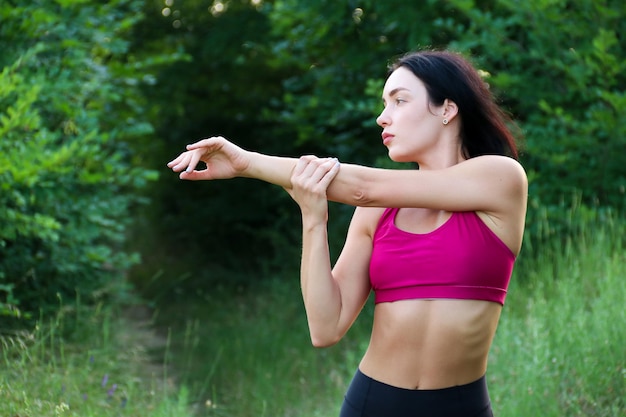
(106, 370)
(561, 71)
(339, 54)
(211, 232)
(69, 114)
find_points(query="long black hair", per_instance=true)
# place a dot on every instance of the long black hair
(448, 75)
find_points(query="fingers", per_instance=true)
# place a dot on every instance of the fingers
(322, 171)
(206, 143)
(193, 175)
(189, 160)
(176, 161)
(315, 173)
(180, 163)
(193, 160)
(303, 164)
(309, 181)
(330, 175)
(186, 161)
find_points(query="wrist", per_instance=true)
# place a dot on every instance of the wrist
(313, 224)
(272, 169)
(251, 168)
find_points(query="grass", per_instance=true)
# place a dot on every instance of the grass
(101, 367)
(559, 350)
(242, 352)
(251, 354)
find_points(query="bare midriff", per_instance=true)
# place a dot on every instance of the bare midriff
(430, 344)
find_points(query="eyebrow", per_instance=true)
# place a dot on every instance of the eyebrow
(396, 91)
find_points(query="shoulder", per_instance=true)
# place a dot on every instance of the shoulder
(501, 172)
(505, 193)
(499, 163)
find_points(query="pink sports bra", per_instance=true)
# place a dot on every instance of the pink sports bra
(462, 259)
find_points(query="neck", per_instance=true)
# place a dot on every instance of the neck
(441, 159)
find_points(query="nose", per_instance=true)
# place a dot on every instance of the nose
(383, 118)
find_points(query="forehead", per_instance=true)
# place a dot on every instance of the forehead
(402, 79)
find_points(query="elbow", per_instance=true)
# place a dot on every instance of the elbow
(323, 343)
(354, 191)
(360, 197)
(319, 340)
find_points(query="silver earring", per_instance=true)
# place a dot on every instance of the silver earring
(445, 121)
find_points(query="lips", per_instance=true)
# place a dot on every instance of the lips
(386, 137)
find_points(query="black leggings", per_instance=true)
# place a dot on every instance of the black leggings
(367, 397)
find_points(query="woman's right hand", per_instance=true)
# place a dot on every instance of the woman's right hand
(223, 160)
(310, 180)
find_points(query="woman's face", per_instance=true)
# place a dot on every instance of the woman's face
(411, 125)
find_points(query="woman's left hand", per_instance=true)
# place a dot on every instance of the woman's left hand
(309, 180)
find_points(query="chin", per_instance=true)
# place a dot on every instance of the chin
(400, 158)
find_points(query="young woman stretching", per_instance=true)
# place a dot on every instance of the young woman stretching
(437, 244)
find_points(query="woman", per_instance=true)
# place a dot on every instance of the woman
(437, 244)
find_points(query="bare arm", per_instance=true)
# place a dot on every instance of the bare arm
(482, 183)
(332, 299)
(494, 184)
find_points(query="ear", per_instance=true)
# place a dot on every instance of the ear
(449, 109)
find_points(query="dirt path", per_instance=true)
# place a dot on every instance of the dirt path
(139, 336)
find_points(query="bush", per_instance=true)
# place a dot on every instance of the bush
(69, 114)
(561, 71)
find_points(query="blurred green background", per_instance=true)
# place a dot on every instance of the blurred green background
(96, 97)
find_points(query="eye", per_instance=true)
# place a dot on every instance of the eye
(400, 100)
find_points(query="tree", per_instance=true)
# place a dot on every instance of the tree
(70, 112)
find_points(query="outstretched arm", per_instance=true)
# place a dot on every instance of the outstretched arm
(494, 184)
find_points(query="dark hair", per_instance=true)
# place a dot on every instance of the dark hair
(448, 75)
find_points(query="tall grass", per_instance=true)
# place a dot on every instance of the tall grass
(560, 349)
(99, 368)
(249, 354)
